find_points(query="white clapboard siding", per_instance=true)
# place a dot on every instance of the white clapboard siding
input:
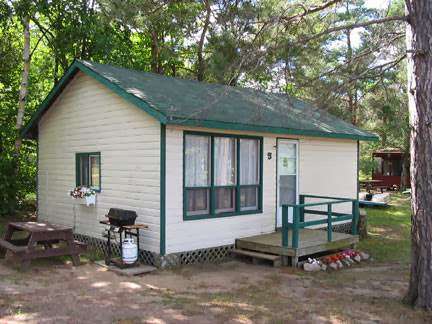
(196, 234)
(326, 167)
(88, 117)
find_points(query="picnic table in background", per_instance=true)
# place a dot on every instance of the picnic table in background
(43, 240)
(370, 184)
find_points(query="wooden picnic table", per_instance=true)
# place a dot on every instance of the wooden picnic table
(370, 184)
(43, 240)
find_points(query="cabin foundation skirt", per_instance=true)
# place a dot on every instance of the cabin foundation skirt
(209, 255)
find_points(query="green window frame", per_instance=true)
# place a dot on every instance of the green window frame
(211, 187)
(85, 175)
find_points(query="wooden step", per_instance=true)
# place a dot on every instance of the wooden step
(275, 259)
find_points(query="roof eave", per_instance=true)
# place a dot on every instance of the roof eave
(268, 129)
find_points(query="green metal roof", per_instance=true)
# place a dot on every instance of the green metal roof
(192, 103)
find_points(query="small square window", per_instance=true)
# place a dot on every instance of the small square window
(88, 170)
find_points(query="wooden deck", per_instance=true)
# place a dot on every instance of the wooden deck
(311, 241)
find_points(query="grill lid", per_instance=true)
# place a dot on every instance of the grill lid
(119, 216)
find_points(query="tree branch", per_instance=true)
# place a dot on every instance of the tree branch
(354, 25)
(37, 43)
(201, 63)
(311, 10)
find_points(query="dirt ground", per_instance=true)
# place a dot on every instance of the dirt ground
(230, 292)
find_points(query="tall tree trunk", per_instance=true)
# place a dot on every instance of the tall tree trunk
(154, 52)
(419, 43)
(156, 64)
(24, 83)
(201, 63)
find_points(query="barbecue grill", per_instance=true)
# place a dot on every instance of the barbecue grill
(121, 217)
(121, 222)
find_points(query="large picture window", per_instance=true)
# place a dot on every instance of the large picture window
(222, 175)
(88, 170)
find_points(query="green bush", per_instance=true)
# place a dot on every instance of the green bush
(17, 178)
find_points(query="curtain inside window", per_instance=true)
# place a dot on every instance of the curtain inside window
(197, 166)
(225, 160)
(198, 201)
(225, 200)
(94, 171)
(249, 198)
(249, 160)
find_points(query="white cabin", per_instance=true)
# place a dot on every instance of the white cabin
(201, 164)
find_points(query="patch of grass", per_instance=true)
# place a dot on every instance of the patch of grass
(389, 231)
(92, 255)
(187, 304)
(176, 301)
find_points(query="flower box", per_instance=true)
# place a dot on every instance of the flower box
(83, 196)
(88, 201)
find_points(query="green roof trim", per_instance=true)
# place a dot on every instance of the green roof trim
(266, 129)
(174, 101)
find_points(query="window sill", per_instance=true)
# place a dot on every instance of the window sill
(221, 215)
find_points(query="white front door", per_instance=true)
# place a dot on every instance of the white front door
(287, 176)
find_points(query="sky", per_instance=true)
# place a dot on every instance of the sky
(375, 4)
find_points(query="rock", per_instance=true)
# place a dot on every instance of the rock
(339, 264)
(345, 262)
(311, 267)
(323, 267)
(364, 256)
(357, 258)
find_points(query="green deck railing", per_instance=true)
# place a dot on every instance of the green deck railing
(300, 209)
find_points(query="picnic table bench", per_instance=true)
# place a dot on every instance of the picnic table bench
(43, 240)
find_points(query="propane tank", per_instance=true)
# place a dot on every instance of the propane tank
(129, 251)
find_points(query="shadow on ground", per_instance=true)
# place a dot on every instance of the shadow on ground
(232, 291)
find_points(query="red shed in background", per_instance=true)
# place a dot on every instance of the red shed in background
(389, 164)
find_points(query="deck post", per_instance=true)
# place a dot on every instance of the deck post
(302, 201)
(285, 226)
(355, 215)
(329, 223)
(295, 229)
